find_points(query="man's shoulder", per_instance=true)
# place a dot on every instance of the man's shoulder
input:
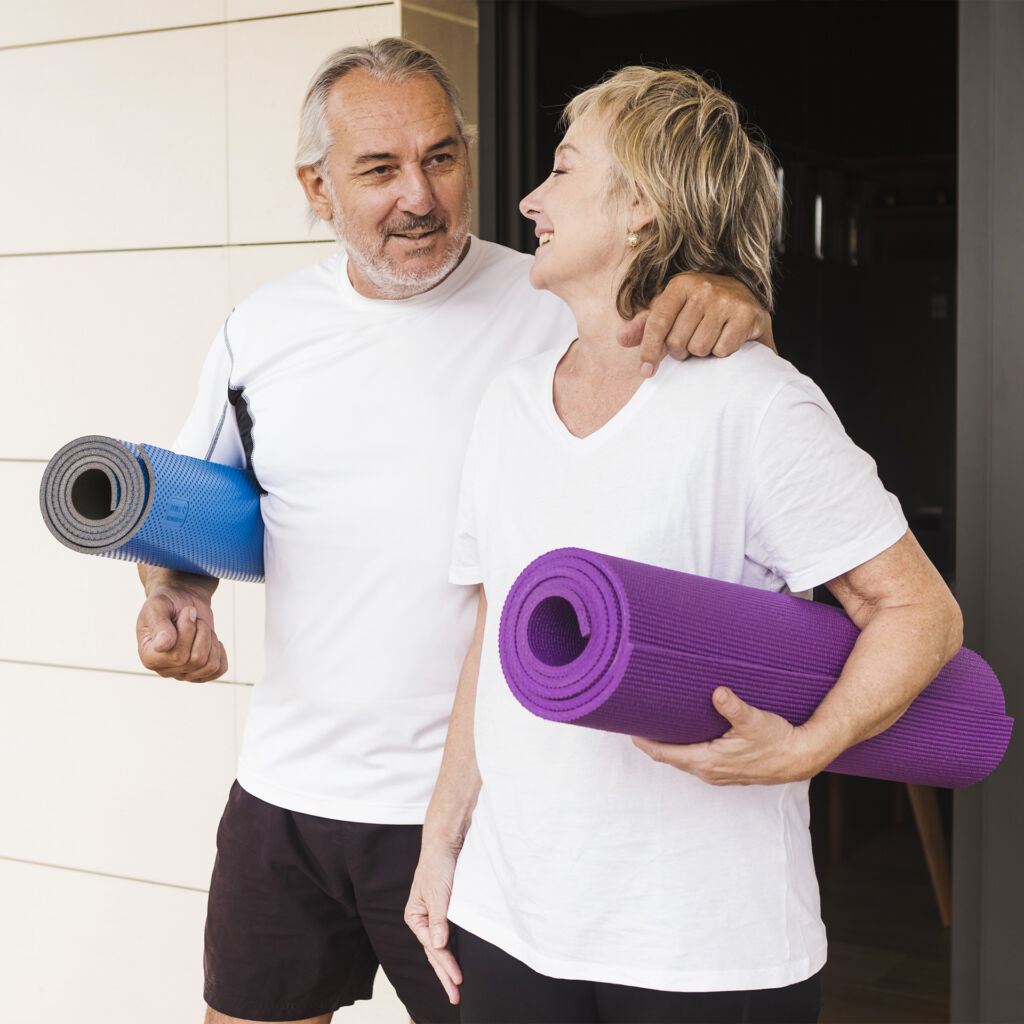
(294, 305)
(501, 279)
(296, 288)
(520, 380)
(500, 269)
(493, 254)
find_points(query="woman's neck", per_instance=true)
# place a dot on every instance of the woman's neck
(597, 352)
(597, 376)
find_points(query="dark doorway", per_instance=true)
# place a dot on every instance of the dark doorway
(858, 100)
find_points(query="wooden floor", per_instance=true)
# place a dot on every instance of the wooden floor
(888, 951)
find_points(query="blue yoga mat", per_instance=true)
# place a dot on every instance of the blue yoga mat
(145, 504)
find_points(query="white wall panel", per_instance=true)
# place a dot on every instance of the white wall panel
(114, 143)
(71, 609)
(268, 8)
(270, 64)
(93, 950)
(104, 343)
(250, 610)
(114, 773)
(243, 696)
(44, 21)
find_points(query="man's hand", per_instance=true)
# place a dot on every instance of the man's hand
(700, 315)
(426, 914)
(175, 630)
(759, 749)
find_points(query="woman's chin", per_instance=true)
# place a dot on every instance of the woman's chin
(542, 281)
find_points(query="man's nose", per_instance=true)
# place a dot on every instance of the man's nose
(417, 196)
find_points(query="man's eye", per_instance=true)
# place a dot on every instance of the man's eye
(440, 159)
(378, 172)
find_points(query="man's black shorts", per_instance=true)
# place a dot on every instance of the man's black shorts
(302, 909)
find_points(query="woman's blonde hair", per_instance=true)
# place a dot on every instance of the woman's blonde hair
(681, 145)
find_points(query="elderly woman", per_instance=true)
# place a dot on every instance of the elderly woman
(589, 879)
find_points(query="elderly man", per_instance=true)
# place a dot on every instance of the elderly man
(349, 388)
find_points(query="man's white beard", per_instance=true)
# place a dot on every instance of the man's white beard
(391, 279)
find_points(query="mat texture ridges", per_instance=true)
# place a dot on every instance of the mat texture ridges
(165, 509)
(626, 647)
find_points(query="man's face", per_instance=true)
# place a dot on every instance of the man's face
(398, 181)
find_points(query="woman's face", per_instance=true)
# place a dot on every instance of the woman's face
(581, 222)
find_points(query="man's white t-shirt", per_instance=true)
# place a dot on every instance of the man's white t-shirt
(354, 414)
(586, 859)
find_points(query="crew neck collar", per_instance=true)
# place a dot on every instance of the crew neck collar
(432, 297)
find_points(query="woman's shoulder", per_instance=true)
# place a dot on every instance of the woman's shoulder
(754, 373)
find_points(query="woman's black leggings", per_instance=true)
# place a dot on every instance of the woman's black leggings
(498, 989)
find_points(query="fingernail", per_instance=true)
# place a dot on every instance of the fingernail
(647, 369)
(192, 615)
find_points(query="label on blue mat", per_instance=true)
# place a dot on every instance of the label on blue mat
(177, 511)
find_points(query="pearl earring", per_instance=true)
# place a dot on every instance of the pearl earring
(633, 239)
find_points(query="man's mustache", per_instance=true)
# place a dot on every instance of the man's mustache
(430, 222)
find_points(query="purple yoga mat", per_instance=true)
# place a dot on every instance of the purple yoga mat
(632, 648)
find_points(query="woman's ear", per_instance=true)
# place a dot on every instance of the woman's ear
(641, 212)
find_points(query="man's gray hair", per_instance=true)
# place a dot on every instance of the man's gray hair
(388, 60)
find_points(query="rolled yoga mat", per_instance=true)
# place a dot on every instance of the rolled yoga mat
(145, 504)
(631, 648)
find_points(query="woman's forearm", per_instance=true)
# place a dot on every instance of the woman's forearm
(458, 782)
(910, 627)
(899, 652)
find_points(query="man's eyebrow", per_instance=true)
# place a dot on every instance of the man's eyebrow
(445, 143)
(369, 158)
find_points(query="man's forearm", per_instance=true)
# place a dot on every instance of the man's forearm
(155, 578)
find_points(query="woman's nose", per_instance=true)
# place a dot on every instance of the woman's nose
(529, 206)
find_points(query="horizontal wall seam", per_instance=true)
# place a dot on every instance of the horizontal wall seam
(200, 24)
(164, 248)
(443, 15)
(114, 671)
(102, 874)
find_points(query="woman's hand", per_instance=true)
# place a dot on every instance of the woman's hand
(759, 749)
(426, 914)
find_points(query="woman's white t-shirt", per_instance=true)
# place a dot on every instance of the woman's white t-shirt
(585, 858)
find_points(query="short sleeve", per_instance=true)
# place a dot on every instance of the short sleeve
(817, 508)
(210, 431)
(466, 565)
